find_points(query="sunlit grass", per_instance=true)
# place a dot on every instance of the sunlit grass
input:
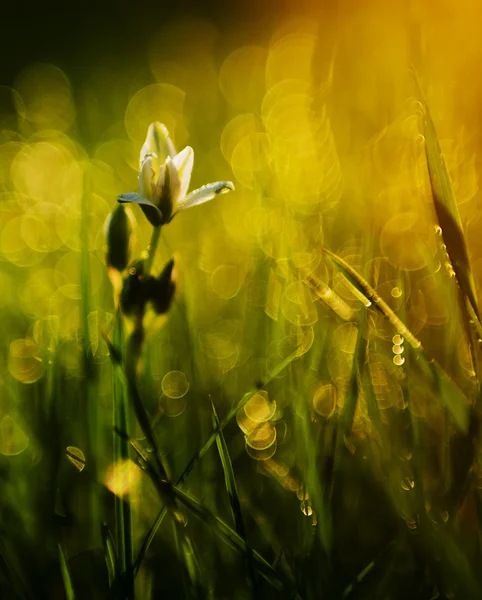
(289, 407)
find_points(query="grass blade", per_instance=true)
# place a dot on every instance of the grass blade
(109, 553)
(447, 212)
(452, 395)
(231, 415)
(69, 590)
(148, 540)
(138, 405)
(121, 453)
(232, 490)
(217, 525)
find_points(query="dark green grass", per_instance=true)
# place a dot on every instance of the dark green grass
(388, 513)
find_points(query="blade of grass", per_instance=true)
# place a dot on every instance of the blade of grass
(121, 454)
(140, 412)
(231, 415)
(111, 560)
(148, 539)
(232, 490)
(69, 590)
(91, 405)
(220, 528)
(447, 211)
(452, 394)
(193, 581)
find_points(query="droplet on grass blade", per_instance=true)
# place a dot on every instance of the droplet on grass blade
(407, 484)
(306, 508)
(76, 457)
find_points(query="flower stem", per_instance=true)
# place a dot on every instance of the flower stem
(151, 249)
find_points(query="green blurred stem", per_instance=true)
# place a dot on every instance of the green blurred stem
(123, 514)
(151, 249)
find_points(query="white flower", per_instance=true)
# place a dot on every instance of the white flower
(163, 196)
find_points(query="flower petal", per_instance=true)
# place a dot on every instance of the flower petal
(153, 214)
(158, 142)
(205, 193)
(184, 162)
(145, 178)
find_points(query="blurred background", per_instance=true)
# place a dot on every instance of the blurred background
(313, 111)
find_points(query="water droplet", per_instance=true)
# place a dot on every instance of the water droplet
(397, 339)
(76, 457)
(396, 292)
(398, 360)
(397, 349)
(407, 484)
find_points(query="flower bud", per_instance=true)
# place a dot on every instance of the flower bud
(135, 290)
(119, 234)
(162, 288)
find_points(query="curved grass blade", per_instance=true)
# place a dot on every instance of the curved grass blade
(447, 211)
(148, 540)
(451, 394)
(232, 490)
(231, 415)
(378, 303)
(230, 537)
(218, 526)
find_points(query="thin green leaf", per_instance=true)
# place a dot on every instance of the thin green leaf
(231, 415)
(148, 540)
(109, 553)
(447, 211)
(217, 525)
(138, 405)
(452, 395)
(231, 488)
(69, 590)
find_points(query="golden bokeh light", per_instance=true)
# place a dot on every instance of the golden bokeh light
(175, 384)
(162, 100)
(45, 97)
(25, 361)
(123, 478)
(13, 439)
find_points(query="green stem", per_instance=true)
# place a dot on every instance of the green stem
(151, 249)
(123, 514)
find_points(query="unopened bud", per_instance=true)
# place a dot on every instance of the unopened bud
(163, 288)
(119, 233)
(135, 290)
